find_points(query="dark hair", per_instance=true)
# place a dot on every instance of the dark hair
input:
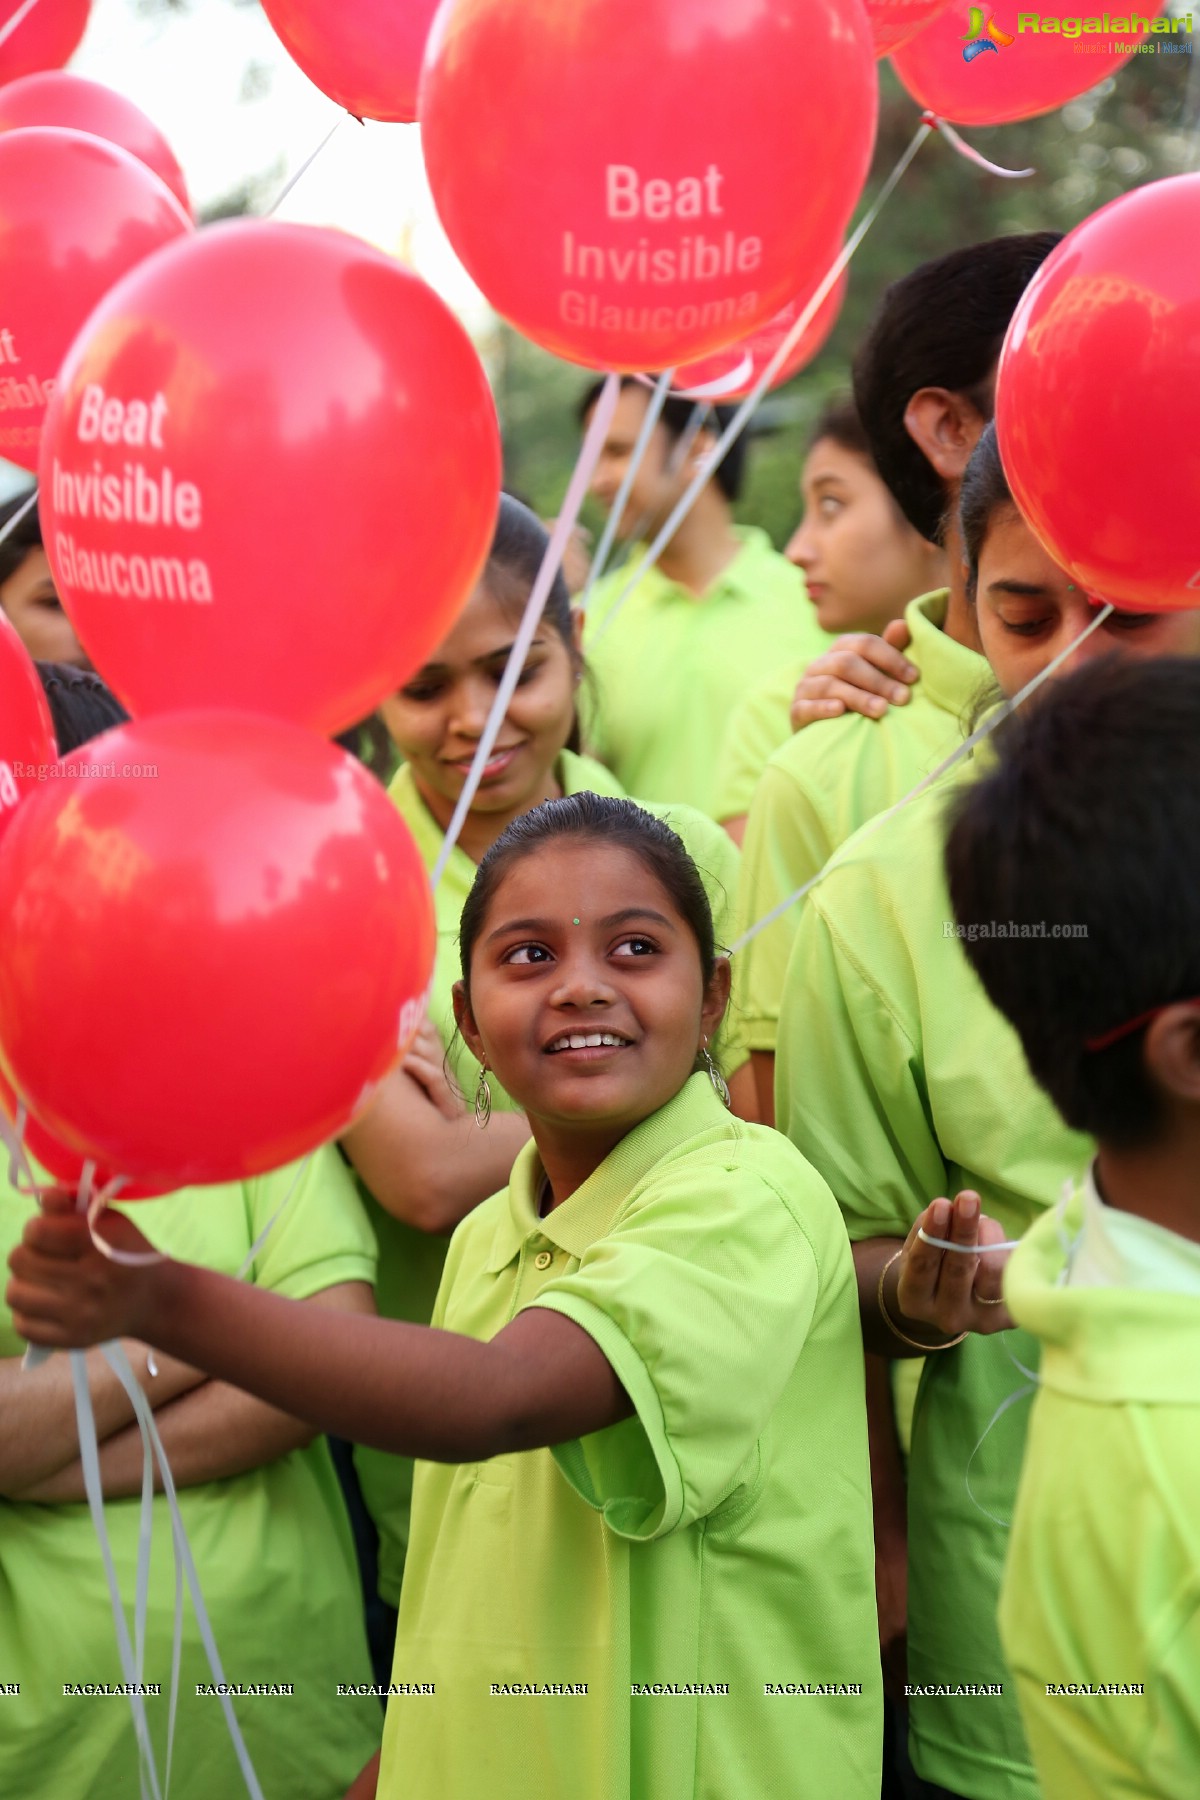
(518, 546)
(24, 537)
(841, 424)
(615, 824)
(1090, 821)
(80, 704)
(942, 326)
(677, 417)
(984, 491)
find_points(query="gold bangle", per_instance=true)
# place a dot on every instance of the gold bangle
(891, 1324)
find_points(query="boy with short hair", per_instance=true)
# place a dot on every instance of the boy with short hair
(1091, 821)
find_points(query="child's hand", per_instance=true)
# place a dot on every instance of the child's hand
(65, 1293)
(425, 1061)
(945, 1288)
(858, 673)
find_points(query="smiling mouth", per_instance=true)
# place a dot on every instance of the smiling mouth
(496, 763)
(587, 1040)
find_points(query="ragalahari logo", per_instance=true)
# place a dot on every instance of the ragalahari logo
(984, 37)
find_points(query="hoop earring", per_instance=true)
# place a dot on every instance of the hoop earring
(483, 1100)
(720, 1085)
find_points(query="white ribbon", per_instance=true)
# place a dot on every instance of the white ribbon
(589, 455)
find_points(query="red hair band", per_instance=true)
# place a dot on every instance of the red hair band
(1119, 1031)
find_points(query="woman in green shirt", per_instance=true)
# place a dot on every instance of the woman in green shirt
(641, 1559)
(421, 1160)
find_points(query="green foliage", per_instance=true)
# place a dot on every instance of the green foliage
(1129, 130)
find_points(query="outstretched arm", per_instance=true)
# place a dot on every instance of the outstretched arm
(403, 1388)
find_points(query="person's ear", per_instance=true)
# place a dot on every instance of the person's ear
(945, 427)
(578, 621)
(716, 997)
(1171, 1052)
(464, 1018)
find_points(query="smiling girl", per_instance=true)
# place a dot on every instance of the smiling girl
(641, 1554)
(421, 1156)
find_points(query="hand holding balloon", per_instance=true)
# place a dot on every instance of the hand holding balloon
(65, 1293)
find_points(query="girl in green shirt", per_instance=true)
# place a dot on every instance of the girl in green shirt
(422, 1163)
(641, 1559)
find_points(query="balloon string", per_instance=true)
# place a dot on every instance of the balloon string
(305, 166)
(119, 1363)
(676, 458)
(551, 562)
(937, 1243)
(740, 418)
(617, 513)
(969, 151)
(89, 1456)
(994, 718)
(268, 1228)
(18, 18)
(10, 525)
(129, 1259)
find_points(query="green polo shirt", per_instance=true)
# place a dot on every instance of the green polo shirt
(675, 664)
(760, 724)
(900, 1082)
(1102, 1587)
(410, 1261)
(829, 779)
(272, 1546)
(718, 1540)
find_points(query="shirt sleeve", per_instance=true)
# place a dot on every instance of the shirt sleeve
(850, 1087)
(701, 1299)
(787, 842)
(755, 732)
(321, 1235)
(718, 861)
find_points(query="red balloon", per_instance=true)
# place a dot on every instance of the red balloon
(59, 99)
(1095, 400)
(736, 371)
(45, 38)
(1019, 74)
(636, 183)
(63, 1166)
(26, 731)
(365, 54)
(218, 936)
(75, 215)
(270, 476)
(893, 22)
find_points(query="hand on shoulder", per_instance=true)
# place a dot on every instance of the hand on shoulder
(858, 673)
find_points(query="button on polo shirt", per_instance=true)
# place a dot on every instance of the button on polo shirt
(716, 1541)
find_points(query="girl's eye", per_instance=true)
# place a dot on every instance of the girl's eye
(523, 679)
(1128, 621)
(636, 946)
(828, 507)
(527, 953)
(421, 691)
(1027, 628)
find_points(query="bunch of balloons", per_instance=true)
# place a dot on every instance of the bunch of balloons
(269, 470)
